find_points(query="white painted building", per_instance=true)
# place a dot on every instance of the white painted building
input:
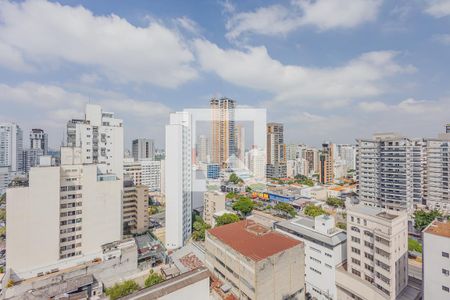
(178, 174)
(256, 163)
(62, 217)
(203, 150)
(390, 171)
(436, 260)
(100, 137)
(151, 174)
(325, 250)
(11, 146)
(377, 254)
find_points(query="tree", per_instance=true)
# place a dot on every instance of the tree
(153, 278)
(231, 195)
(199, 227)
(414, 245)
(423, 218)
(286, 208)
(335, 202)
(122, 289)
(235, 179)
(341, 225)
(243, 205)
(313, 211)
(226, 219)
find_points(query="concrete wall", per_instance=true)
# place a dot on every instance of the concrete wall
(32, 223)
(433, 263)
(198, 290)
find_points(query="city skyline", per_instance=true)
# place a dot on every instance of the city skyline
(309, 68)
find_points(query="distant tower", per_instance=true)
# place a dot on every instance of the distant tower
(276, 151)
(223, 141)
(39, 140)
(11, 146)
(143, 149)
(326, 165)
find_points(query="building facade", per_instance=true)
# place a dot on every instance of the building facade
(132, 169)
(325, 250)
(62, 217)
(223, 140)
(178, 178)
(151, 174)
(143, 149)
(100, 137)
(39, 140)
(377, 253)
(276, 151)
(213, 201)
(390, 171)
(11, 146)
(436, 260)
(326, 164)
(256, 262)
(134, 207)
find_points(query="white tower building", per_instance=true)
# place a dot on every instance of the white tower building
(11, 146)
(178, 173)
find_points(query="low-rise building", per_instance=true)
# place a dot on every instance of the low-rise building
(256, 262)
(213, 201)
(436, 260)
(325, 250)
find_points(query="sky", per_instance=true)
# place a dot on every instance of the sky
(332, 70)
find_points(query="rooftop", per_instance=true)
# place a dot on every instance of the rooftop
(441, 228)
(304, 227)
(373, 211)
(252, 239)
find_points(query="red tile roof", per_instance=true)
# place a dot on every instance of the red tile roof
(252, 239)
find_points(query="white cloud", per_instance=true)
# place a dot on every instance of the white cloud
(443, 38)
(375, 106)
(12, 59)
(47, 33)
(323, 14)
(188, 25)
(363, 77)
(438, 8)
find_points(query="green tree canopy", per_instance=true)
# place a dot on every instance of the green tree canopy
(286, 208)
(335, 202)
(235, 179)
(122, 289)
(423, 218)
(226, 219)
(153, 278)
(199, 227)
(414, 245)
(313, 211)
(244, 205)
(341, 225)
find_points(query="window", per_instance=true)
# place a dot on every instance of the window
(370, 268)
(354, 228)
(356, 261)
(368, 233)
(445, 272)
(445, 254)
(357, 273)
(355, 250)
(445, 288)
(356, 240)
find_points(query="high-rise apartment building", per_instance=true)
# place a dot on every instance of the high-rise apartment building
(143, 149)
(436, 188)
(436, 260)
(326, 164)
(178, 173)
(312, 157)
(390, 171)
(62, 216)
(292, 151)
(447, 128)
(276, 151)
(100, 137)
(203, 151)
(325, 250)
(223, 140)
(347, 154)
(256, 163)
(11, 146)
(39, 140)
(377, 254)
(240, 144)
(134, 207)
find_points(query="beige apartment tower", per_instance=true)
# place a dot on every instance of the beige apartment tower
(134, 207)
(326, 164)
(223, 141)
